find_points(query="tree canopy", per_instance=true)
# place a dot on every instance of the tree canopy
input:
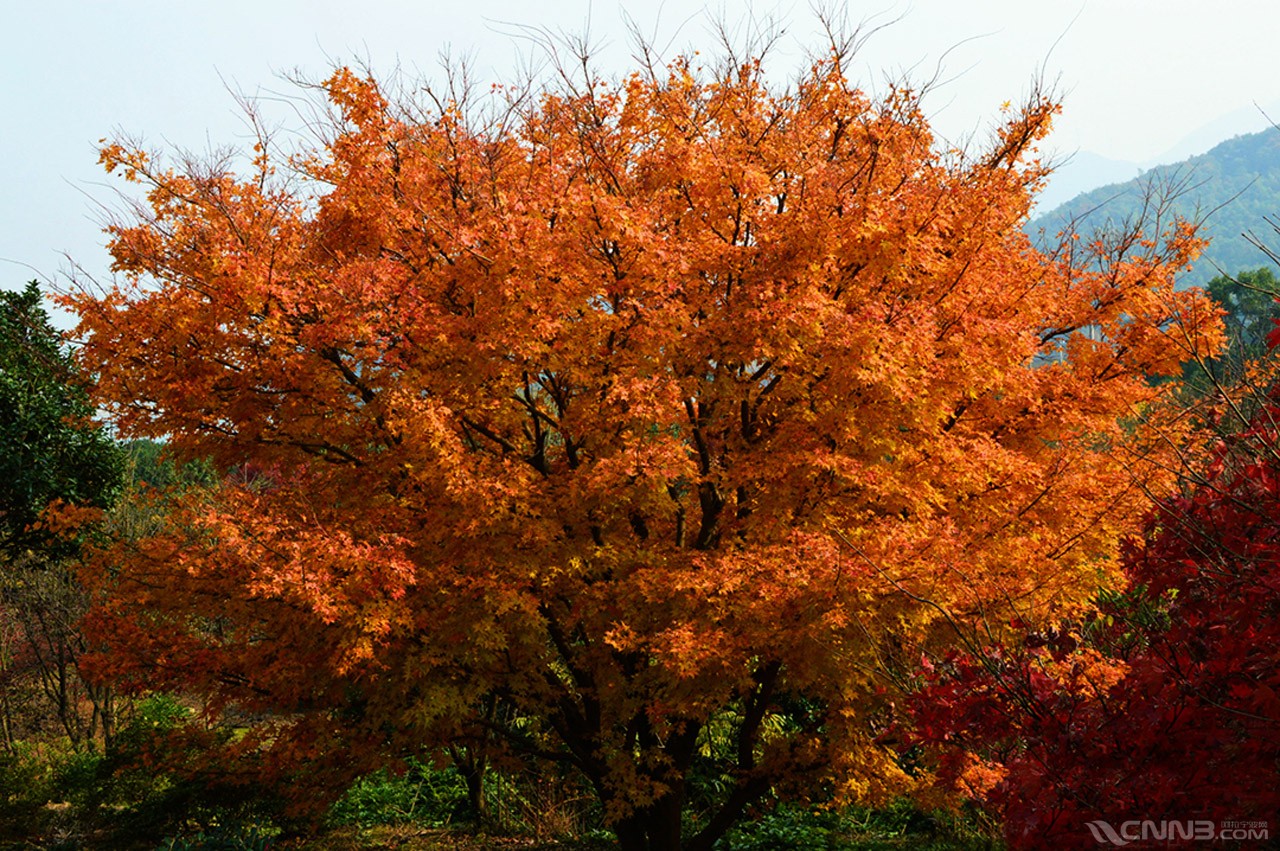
(676, 415)
(53, 451)
(1249, 299)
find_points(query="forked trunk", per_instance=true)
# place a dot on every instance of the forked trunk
(654, 828)
(477, 803)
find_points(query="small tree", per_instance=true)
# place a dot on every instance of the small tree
(674, 415)
(54, 452)
(1248, 300)
(54, 457)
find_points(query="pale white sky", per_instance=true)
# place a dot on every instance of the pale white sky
(1136, 76)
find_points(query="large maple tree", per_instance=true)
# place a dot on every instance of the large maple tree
(675, 414)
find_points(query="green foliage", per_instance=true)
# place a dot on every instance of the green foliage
(421, 795)
(232, 837)
(150, 464)
(51, 448)
(1225, 391)
(25, 786)
(80, 779)
(126, 780)
(900, 825)
(47, 789)
(1249, 299)
(97, 788)
(540, 806)
(1135, 611)
(135, 791)
(114, 801)
(154, 713)
(190, 795)
(787, 827)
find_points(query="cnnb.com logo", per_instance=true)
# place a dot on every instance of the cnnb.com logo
(1178, 831)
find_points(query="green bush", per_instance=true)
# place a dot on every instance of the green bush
(802, 830)
(80, 778)
(422, 795)
(25, 787)
(90, 780)
(156, 713)
(899, 825)
(233, 837)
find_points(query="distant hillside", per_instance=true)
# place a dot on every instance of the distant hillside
(1079, 173)
(1236, 185)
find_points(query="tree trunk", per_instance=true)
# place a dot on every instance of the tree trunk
(108, 717)
(473, 773)
(6, 719)
(744, 793)
(655, 827)
(472, 763)
(104, 715)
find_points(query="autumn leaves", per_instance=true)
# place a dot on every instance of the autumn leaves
(644, 409)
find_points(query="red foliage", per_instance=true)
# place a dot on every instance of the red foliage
(16, 656)
(1191, 729)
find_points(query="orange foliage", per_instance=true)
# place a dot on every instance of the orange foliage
(632, 405)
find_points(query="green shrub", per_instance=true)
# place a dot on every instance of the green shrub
(422, 795)
(25, 786)
(232, 837)
(786, 827)
(80, 778)
(156, 713)
(899, 825)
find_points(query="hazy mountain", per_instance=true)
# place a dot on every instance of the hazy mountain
(1241, 122)
(1080, 172)
(1234, 187)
